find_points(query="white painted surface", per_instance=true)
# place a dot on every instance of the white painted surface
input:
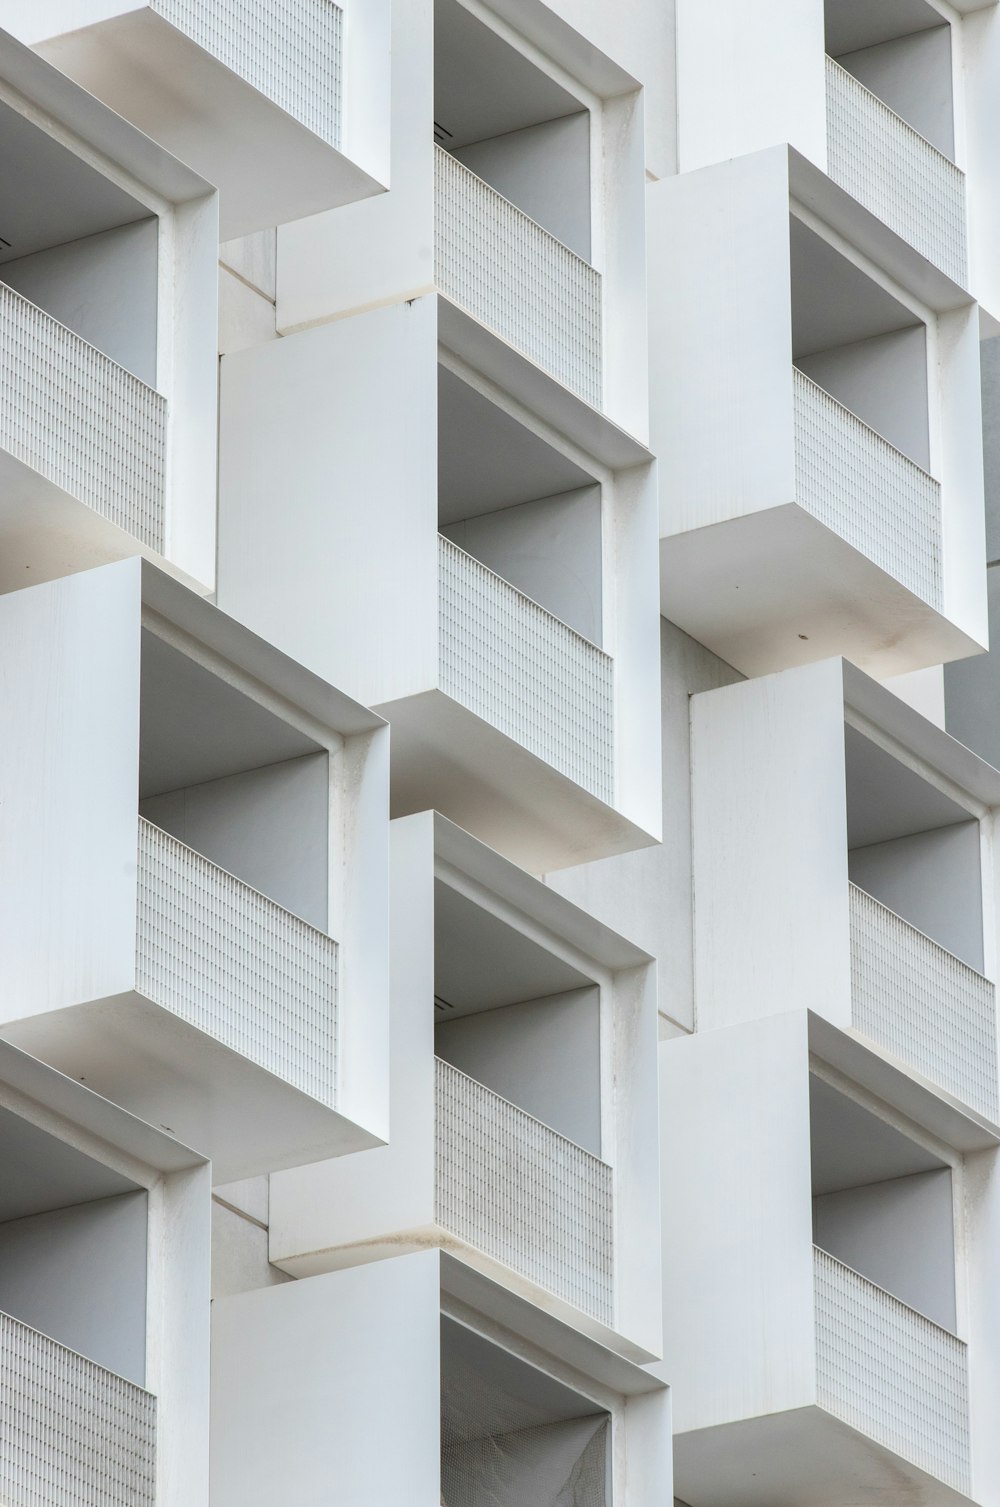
(79, 1275)
(544, 170)
(900, 1235)
(326, 1391)
(884, 381)
(912, 75)
(933, 880)
(543, 1055)
(104, 288)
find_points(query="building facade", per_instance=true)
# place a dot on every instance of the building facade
(499, 539)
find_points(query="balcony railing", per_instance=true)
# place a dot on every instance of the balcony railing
(525, 672)
(889, 168)
(865, 490)
(80, 420)
(237, 966)
(891, 1373)
(70, 1432)
(523, 1194)
(921, 1004)
(288, 50)
(510, 274)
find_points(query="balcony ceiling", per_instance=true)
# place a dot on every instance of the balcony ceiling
(886, 800)
(852, 1148)
(834, 303)
(39, 1173)
(488, 461)
(482, 86)
(853, 24)
(48, 195)
(481, 963)
(485, 1389)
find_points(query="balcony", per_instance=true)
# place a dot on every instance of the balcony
(73, 1432)
(867, 492)
(497, 264)
(235, 965)
(523, 1195)
(923, 1005)
(892, 1374)
(80, 422)
(526, 673)
(891, 170)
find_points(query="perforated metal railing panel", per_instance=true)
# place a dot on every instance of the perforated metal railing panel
(525, 672)
(865, 490)
(80, 420)
(288, 50)
(922, 1004)
(895, 173)
(888, 1371)
(71, 1433)
(506, 271)
(523, 1194)
(236, 965)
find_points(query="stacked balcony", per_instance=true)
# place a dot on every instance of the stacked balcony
(524, 1195)
(73, 1432)
(525, 672)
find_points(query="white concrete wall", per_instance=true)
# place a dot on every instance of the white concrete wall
(325, 1392)
(934, 881)
(884, 381)
(544, 170)
(104, 287)
(747, 81)
(550, 549)
(737, 1224)
(339, 569)
(770, 848)
(913, 76)
(721, 338)
(980, 58)
(70, 652)
(900, 1235)
(268, 826)
(543, 1055)
(79, 1275)
(957, 462)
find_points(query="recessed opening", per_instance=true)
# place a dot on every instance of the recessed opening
(882, 1203)
(229, 778)
(511, 1435)
(861, 345)
(77, 245)
(72, 1248)
(517, 1018)
(518, 505)
(914, 849)
(512, 125)
(901, 51)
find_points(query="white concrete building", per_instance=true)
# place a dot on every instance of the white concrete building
(499, 544)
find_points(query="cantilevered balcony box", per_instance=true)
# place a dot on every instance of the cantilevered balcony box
(820, 1241)
(284, 107)
(467, 1411)
(108, 314)
(104, 1317)
(821, 416)
(843, 863)
(873, 107)
(449, 558)
(517, 191)
(193, 870)
(523, 1100)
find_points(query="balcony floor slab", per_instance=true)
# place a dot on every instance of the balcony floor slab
(802, 1457)
(172, 1075)
(776, 588)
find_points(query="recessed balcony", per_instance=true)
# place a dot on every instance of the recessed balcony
(895, 173)
(497, 264)
(73, 1431)
(522, 1194)
(525, 672)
